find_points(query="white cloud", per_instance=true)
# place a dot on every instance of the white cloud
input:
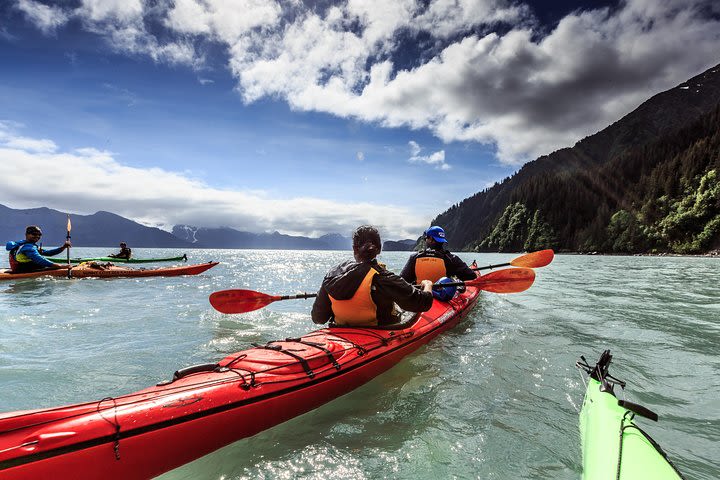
(120, 11)
(361, 156)
(224, 20)
(523, 88)
(414, 148)
(31, 144)
(158, 197)
(436, 159)
(446, 18)
(11, 140)
(47, 18)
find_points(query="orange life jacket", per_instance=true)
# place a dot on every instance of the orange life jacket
(360, 310)
(429, 268)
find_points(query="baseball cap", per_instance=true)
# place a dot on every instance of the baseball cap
(437, 233)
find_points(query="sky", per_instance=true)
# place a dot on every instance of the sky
(313, 117)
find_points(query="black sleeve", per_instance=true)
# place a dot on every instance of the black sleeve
(401, 292)
(458, 268)
(408, 271)
(321, 309)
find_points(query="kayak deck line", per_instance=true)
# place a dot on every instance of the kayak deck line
(125, 434)
(216, 367)
(96, 405)
(184, 401)
(613, 445)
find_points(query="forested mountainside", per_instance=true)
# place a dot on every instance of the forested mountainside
(648, 183)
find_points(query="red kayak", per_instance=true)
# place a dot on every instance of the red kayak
(96, 270)
(205, 407)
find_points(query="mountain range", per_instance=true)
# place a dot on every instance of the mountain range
(101, 229)
(225, 237)
(105, 229)
(649, 182)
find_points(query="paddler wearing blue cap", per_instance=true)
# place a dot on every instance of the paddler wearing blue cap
(436, 264)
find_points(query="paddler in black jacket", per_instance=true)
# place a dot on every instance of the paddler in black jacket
(362, 292)
(125, 252)
(434, 262)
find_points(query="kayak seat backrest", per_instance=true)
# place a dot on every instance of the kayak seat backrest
(406, 323)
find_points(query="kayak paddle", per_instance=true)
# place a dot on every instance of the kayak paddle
(69, 227)
(529, 260)
(510, 280)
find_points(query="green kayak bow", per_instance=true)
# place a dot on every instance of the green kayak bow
(613, 446)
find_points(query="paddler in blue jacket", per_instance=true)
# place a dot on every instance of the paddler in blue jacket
(362, 292)
(25, 255)
(436, 264)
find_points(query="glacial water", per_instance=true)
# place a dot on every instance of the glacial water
(495, 398)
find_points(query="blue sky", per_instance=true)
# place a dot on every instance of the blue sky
(314, 117)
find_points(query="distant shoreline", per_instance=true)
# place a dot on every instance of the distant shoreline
(711, 254)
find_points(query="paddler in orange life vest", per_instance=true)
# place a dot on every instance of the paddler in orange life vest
(362, 292)
(25, 255)
(436, 264)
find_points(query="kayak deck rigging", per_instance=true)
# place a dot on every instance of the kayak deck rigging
(204, 407)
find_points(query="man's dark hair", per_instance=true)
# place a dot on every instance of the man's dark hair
(366, 241)
(32, 229)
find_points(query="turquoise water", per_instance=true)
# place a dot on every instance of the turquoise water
(495, 398)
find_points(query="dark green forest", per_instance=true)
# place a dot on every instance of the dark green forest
(664, 197)
(644, 185)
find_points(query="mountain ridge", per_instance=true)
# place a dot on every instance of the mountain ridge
(107, 229)
(567, 199)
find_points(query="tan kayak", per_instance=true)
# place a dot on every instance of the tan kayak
(97, 270)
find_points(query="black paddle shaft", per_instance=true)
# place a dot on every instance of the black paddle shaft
(489, 267)
(313, 295)
(299, 295)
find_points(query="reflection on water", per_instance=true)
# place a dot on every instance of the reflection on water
(32, 291)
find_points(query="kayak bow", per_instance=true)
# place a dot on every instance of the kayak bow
(613, 446)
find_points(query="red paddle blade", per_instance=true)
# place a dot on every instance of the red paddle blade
(535, 259)
(240, 301)
(509, 280)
